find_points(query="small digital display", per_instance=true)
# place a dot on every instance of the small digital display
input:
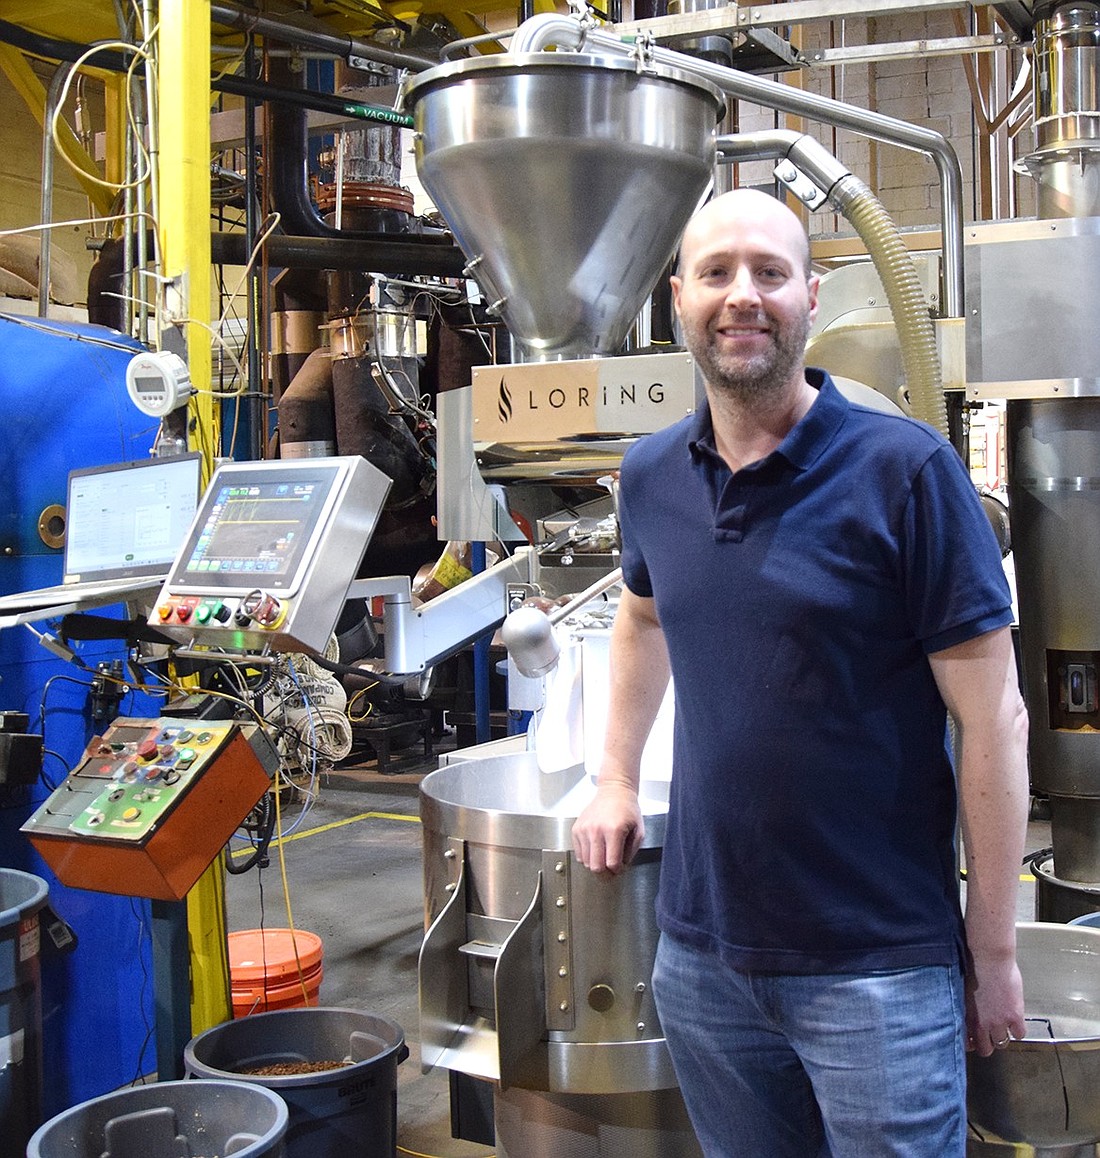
(254, 528)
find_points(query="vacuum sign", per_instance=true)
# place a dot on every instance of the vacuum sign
(543, 401)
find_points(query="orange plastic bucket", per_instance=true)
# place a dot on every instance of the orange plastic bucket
(264, 973)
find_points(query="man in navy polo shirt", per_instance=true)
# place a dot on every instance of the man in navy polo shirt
(821, 582)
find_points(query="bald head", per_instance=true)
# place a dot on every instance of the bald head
(746, 208)
(746, 298)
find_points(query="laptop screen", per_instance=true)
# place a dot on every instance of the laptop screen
(129, 519)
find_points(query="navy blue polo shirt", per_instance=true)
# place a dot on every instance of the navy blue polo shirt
(812, 815)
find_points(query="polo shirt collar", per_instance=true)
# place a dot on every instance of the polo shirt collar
(809, 438)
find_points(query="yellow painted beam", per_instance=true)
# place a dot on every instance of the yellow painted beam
(183, 222)
(183, 143)
(33, 92)
(211, 1001)
(114, 103)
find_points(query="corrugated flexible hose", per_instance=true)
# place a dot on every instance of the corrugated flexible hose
(917, 335)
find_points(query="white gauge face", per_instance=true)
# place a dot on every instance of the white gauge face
(158, 382)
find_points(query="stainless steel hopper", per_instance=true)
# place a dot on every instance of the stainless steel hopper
(567, 180)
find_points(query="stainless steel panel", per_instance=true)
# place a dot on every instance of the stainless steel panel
(1031, 289)
(540, 1125)
(570, 952)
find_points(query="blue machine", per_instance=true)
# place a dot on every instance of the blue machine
(64, 405)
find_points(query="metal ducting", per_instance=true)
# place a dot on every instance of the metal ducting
(611, 162)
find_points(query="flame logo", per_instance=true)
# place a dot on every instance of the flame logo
(504, 402)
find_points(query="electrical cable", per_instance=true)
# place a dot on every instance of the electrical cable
(343, 669)
(265, 828)
(149, 1023)
(138, 53)
(281, 846)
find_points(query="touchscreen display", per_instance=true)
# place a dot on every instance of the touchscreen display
(254, 529)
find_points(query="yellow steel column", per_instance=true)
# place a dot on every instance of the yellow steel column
(183, 212)
(183, 142)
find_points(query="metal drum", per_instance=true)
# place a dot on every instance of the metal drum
(534, 972)
(567, 180)
(1041, 1091)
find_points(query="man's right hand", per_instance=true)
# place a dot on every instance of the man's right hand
(610, 830)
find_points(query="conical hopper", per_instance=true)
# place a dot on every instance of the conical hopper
(567, 180)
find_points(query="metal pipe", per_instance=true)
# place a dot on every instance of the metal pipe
(46, 205)
(152, 128)
(318, 38)
(551, 29)
(586, 596)
(129, 168)
(803, 151)
(452, 47)
(253, 400)
(137, 290)
(116, 61)
(400, 253)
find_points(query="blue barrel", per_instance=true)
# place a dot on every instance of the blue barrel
(167, 1119)
(65, 405)
(22, 896)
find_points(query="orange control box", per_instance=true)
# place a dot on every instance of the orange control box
(152, 804)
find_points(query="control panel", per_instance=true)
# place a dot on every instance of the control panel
(151, 804)
(255, 611)
(267, 563)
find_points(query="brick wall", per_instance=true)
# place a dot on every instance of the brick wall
(931, 92)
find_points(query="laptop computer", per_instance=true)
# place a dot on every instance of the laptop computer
(124, 524)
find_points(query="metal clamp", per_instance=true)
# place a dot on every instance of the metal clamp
(642, 53)
(802, 186)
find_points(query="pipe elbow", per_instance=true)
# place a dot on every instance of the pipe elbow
(547, 29)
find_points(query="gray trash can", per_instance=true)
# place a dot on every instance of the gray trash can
(169, 1120)
(345, 1112)
(22, 895)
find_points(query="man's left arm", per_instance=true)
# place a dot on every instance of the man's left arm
(978, 682)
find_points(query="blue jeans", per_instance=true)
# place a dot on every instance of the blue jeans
(823, 1066)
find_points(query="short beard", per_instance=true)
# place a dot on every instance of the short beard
(756, 380)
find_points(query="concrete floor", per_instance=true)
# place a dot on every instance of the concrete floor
(354, 876)
(353, 866)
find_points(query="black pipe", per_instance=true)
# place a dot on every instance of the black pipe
(114, 61)
(413, 254)
(51, 49)
(319, 102)
(288, 166)
(322, 39)
(254, 402)
(305, 248)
